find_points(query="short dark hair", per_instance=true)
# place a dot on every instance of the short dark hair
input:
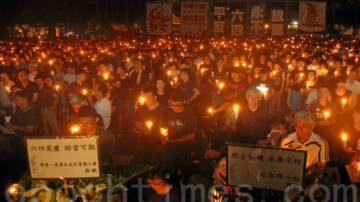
(185, 71)
(177, 96)
(149, 90)
(87, 111)
(24, 94)
(102, 87)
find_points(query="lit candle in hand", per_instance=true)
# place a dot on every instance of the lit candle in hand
(141, 100)
(326, 115)
(236, 109)
(57, 87)
(211, 111)
(164, 133)
(343, 103)
(221, 85)
(149, 125)
(75, 129)
(344, 138)
(84, 92)
(106, 76)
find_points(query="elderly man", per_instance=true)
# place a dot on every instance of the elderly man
(306, 140)
(252, 119)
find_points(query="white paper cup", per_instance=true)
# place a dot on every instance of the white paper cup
(7, 119)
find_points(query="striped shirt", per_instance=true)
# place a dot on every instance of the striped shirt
(316, 147)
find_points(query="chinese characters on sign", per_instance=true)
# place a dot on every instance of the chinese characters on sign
(264, 167)
(219, 22)
(277, 22)
(312, 16)
(257, 19)
(158, 19)
(63, 158)
(237, 23)
(193, 18)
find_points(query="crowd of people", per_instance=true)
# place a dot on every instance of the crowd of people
(175, 101)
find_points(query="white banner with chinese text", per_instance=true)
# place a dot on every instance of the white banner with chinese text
(63, 158)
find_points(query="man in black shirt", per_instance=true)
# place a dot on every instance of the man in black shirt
(31, 88)
(147, 121)
(180, 124)
(253, 119)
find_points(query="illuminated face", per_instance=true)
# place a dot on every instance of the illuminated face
(88, 125)
(22, 76)
(160, 84)
(150, 99)
(324, 92)
(176, 106)
(303, 130)
(253, 99)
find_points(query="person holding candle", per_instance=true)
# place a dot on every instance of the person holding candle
(29, 87)
(181, 124)
(252, 123)
(79, 85)
(5, 89)
(296, 80)
(88, 123)
(325, 115)
(147, 122)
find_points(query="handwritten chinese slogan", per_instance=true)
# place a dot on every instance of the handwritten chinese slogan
(266, 168)
(63, 158)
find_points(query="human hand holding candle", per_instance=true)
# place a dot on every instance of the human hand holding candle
(326, 115)
(343, 103)
(74, 129)
(236, 109)
(141, 100)
(164, 135)
(84, 92)
(149, 125)
(221, 85)
(344, 139)
(57, 88)
(106, 76)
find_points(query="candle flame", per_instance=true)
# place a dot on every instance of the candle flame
(236, 107)
(344, 136)
(75, 129)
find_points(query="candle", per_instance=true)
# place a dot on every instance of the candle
(141, 100)
(211, 111)
(308, 84)
(336, 73)
(57, 87)
(221, 85)
(164, 133)
(175, 80)
(8, 89)
(326, 115)
(202, 71)
(290, 67)
(75, 129)
(343, 103)
(84, 92)
(236, 109)
(50, 62)
(236, 64)
(106, 76)
(149, 125)
(344, 138)
(244, 64)
(168, 73)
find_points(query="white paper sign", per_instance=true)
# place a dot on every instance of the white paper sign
(158, 18)
(51, 158)
(266, 168)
